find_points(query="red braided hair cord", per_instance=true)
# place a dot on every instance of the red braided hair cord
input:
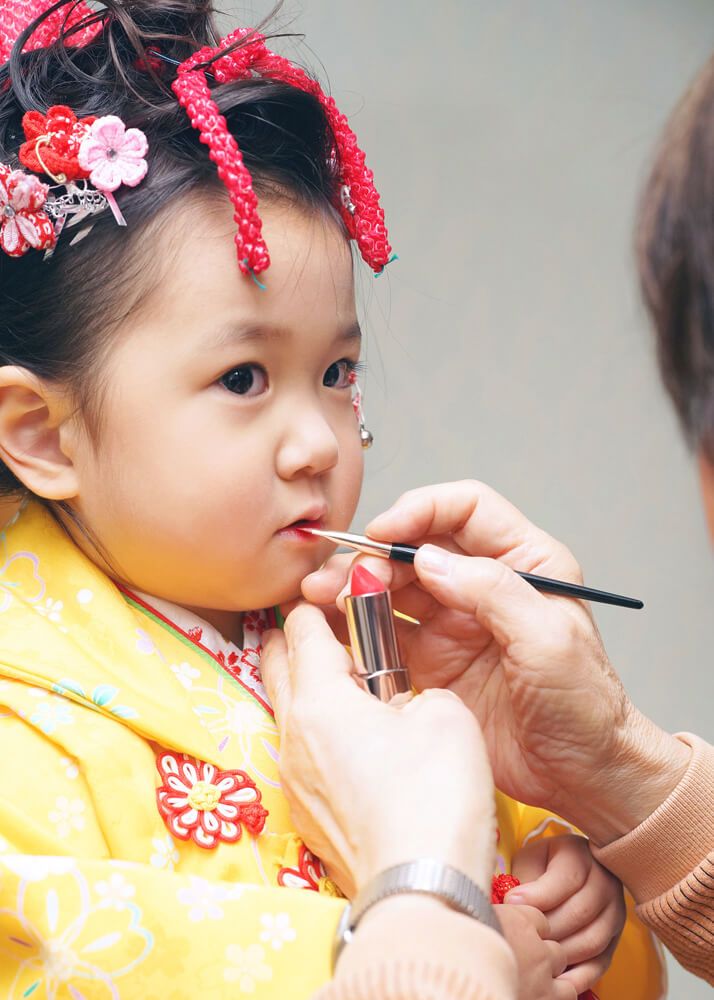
(361, 211)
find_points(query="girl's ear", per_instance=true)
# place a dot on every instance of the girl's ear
(36, 438)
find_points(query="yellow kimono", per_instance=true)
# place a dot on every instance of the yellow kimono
(145, 844)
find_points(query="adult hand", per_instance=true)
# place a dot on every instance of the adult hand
(372, 785)
(560, 729)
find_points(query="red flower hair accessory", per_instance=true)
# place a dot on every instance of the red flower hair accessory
(87, 158)
(24, 223)
(359, 202)
(53, 141)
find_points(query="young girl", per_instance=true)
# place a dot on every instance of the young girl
(176, 397)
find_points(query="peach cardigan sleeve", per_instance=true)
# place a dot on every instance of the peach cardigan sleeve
(667, 863)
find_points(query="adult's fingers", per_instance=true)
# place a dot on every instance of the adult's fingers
(317, 661)
(499, 599)
(481, 521)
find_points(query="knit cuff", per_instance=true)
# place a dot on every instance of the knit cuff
(667, 846)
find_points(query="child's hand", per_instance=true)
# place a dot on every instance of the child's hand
(540, 960)
(583, 902)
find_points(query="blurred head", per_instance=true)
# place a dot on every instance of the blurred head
(676, 261)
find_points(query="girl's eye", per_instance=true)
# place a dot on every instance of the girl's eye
(338, 374)
(246, 380)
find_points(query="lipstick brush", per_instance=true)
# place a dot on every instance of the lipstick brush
(406, 553)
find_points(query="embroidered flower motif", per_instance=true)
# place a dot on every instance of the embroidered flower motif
(186, 674)
(247, 966)
(53, 142)
(277, 929)
(67, 816)
(203, 899)
(165, 854)
(113, 154)
(254, 621)
(51, 714)
(114, 891)
(309, 874)
(200, 802)
(50, 609)
(195, 633)
(24, 224)
(71, 769)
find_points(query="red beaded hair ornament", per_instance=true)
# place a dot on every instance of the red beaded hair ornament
(240, 55)
(359, 202)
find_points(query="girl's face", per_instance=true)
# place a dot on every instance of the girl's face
(228, 417)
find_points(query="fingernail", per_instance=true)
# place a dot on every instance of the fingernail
(434, 560)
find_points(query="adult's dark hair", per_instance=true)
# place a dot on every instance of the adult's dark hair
(57, 314)
(676, 259)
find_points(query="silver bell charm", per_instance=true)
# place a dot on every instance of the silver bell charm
(366, 437)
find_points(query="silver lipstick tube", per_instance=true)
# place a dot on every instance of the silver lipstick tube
(374, 645)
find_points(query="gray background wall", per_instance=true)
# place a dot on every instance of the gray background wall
(509, 140)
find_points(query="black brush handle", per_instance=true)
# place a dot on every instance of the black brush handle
(406, 553)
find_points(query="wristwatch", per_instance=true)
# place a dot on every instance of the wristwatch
(427, 876)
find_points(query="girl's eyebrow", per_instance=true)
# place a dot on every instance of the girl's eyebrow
(232, 335)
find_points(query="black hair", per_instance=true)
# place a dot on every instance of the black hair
(57, 313)
(676, 259)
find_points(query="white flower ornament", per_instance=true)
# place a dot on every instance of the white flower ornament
(113, 154)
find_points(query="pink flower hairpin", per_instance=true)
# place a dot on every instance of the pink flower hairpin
(112, 155)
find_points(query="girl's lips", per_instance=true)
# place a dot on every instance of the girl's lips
(294, 530)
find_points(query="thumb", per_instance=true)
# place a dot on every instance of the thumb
(507, 606)
(316, 658)
(275, 671)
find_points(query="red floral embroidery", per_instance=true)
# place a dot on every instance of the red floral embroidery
(24, 224)
(254, 622)
(227, 662)
(199, 802)
(62, 133)
(307, 875)
(195, 633)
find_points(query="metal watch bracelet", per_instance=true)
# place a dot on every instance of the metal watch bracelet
(427, 876)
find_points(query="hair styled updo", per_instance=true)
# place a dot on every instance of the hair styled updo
(57, 314)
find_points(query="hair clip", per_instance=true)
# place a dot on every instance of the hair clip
(87, 158)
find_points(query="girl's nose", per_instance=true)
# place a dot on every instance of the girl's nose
(309, 446)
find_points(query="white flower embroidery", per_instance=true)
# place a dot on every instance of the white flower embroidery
(115, 891)
(68, 815)
(70, 766)
(165, 854)
(144, 642)
(203, 899)
(247, 966)
(277, 930)
(4, 846)
(50, 609)
(186, 674)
